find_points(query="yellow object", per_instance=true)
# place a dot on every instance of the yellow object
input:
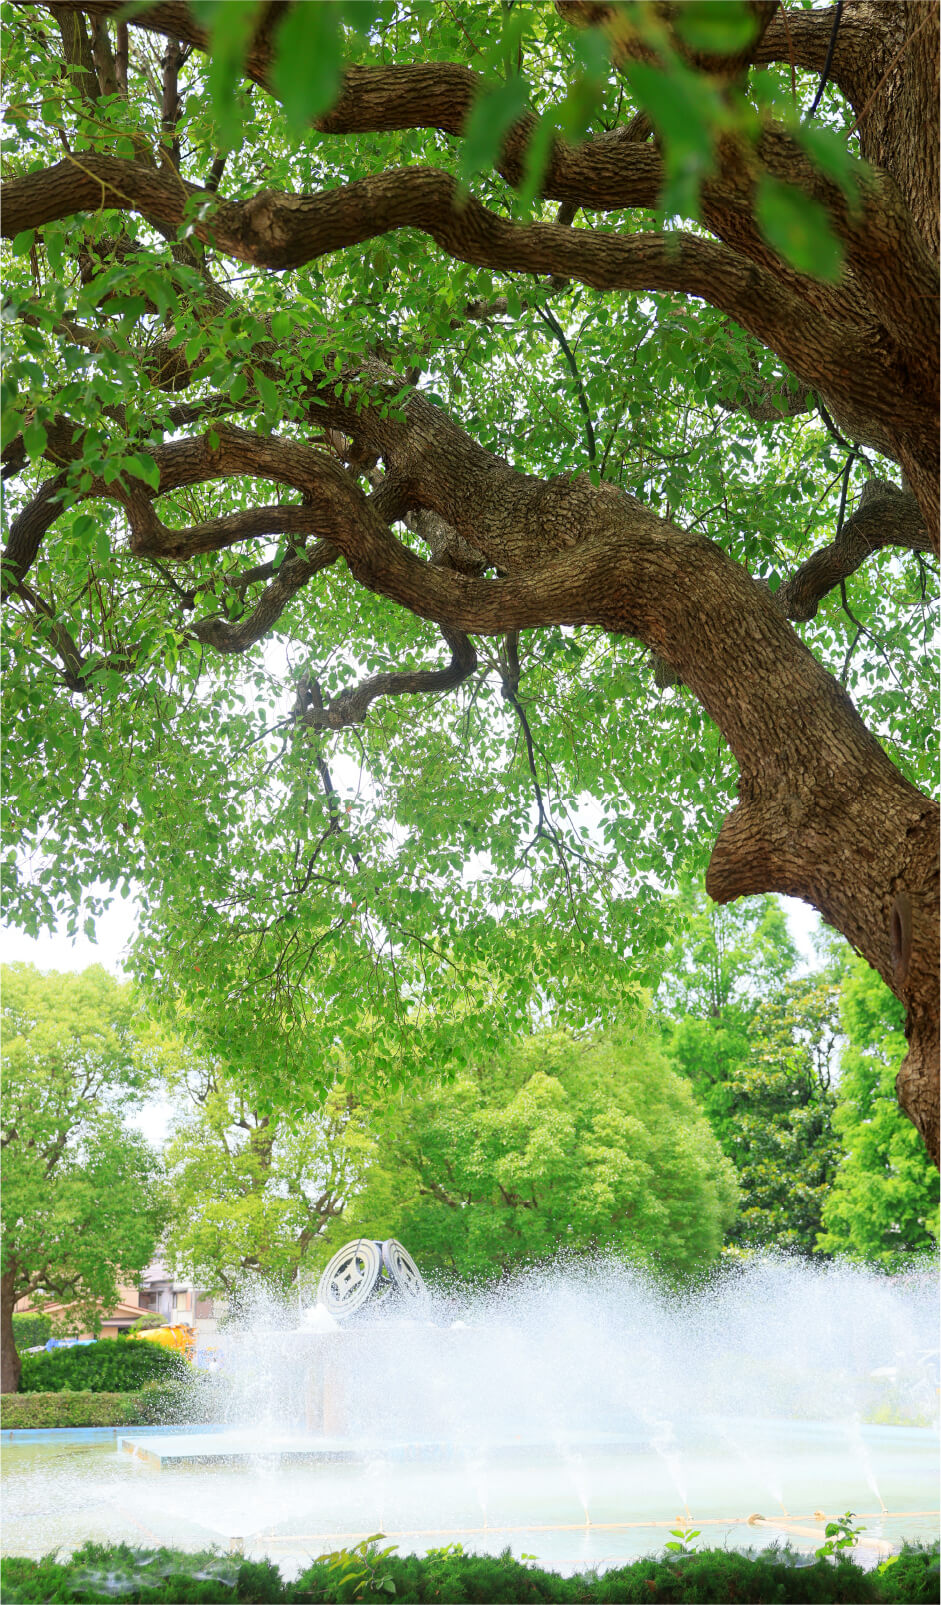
(181, 1338)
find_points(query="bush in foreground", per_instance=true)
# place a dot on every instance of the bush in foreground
(110, 1366)
(166, 1577)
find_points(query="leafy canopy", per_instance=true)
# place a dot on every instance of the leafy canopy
(423, 884)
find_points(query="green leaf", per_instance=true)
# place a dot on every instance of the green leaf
(798, 228)
(23, 242)
(269, 393)
(308, 62)
(34, 439)
(716, 27)
(239, 387)
(232, 26)
(687, 114)
(827, 150)
(143, 467)
(492, 116)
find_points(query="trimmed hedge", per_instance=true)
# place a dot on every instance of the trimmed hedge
(155, 1405)
(113, 1365)
(165, 1577)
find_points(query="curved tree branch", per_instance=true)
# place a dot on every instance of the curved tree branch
(282, 231)
(351, 706)
(227, 636)
(886, 516)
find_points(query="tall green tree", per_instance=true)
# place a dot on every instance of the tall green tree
(252, 1194)
(883, 1206)
(592, 1145)
(759, 1046)
(82, 1201)
(460, 460)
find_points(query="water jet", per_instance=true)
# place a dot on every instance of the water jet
(570, 1413)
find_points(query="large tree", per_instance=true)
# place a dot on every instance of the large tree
(83, 1198)
(579, 1146)
(561, 329)
(759, 1046)
(252, 1194)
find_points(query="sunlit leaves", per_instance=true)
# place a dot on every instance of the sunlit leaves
(798, 228)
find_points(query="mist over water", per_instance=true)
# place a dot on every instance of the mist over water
(598, 1348)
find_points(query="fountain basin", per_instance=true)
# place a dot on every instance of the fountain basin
(573, 1504)
(577, 1418)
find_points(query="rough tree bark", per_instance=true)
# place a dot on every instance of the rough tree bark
(10, 1363)
(822, 814)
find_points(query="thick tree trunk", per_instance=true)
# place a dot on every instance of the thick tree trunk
(10, 1363)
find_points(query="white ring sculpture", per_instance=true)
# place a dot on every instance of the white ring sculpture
(364, 1270)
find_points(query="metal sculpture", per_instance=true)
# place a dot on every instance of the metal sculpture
(366, 1271)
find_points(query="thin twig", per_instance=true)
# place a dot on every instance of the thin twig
(824, 76)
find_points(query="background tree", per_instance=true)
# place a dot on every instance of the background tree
(759, 1045)
(561, 336)
(82, 1202)
(252, 1194)
(592, 1145)
(883, 1205)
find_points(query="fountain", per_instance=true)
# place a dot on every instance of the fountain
(576, 1413)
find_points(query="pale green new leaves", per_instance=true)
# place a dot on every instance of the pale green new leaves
(584, 1146)
(883, 1207)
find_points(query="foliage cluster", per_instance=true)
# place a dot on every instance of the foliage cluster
(883, 1206)
(757, 1043)
(82, 1202)
(31, 1328)
(585, 1145)
(165, 1577)
(598, 1141)
(253, 1191)
(110, 1366)
(795, 1073)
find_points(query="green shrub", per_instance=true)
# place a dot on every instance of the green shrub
(104, 1367)
(448, 1576)
(148, 1322)
(152, 1405)
(915, 1574)
(30, 1329)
